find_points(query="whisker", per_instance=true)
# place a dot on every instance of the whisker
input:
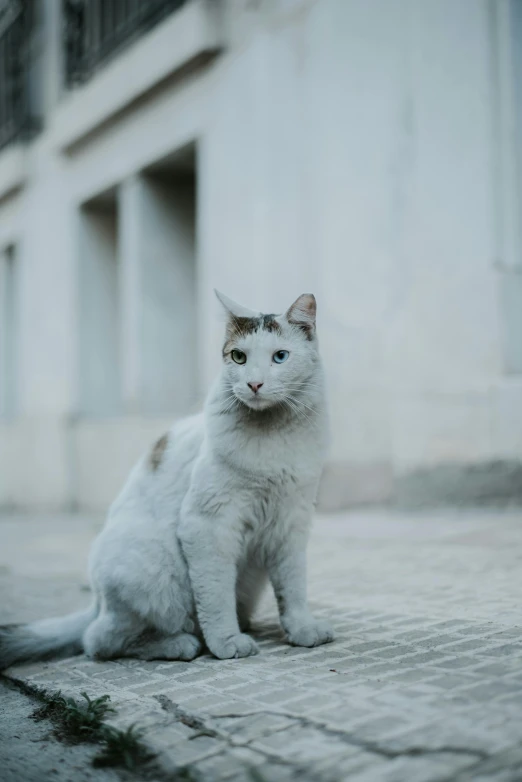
(290, 406)
(302, 404)
(304, 388)
(229, 403)
(303, 385)
(299, 413)
(308, 407)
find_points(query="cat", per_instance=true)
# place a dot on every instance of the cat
(221, 505)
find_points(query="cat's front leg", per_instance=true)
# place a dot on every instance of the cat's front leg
(211, 557)
(287, 572)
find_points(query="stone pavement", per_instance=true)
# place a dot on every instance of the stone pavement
(423, 684)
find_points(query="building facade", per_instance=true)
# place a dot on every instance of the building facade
(365, 150)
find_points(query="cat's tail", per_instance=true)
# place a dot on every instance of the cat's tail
(45, 639)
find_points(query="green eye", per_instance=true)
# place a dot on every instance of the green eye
(238, 356)
(280, 356)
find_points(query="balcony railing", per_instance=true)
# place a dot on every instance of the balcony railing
(96, 30)
(17, 116)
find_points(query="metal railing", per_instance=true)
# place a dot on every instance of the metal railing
(96, 30)
(17, 115)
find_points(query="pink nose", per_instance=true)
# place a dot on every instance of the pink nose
(255, 386)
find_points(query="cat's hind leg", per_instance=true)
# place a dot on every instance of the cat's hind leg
(183, 646)
(114, 635)
(249, 589)
(110, 634)
(106, 637)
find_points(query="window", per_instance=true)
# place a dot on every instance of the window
(96, 30)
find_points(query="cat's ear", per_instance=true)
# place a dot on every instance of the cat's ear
(302, 313)
(234, 309)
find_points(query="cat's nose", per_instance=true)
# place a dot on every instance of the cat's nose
(255, 386)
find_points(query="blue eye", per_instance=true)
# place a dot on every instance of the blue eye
(280, 356)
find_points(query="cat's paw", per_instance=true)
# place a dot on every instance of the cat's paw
(235, 646)
(185, 647)
(312, 633)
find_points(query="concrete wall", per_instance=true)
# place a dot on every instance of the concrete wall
(360, 150)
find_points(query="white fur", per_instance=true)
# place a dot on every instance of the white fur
(188, 546)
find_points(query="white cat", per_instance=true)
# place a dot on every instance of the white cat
(222, 504)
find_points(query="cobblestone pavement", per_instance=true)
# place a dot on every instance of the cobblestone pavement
(423, 684)
(28, 753)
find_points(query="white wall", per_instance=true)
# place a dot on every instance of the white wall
(359, 162)
(9, 313)
(347, 148)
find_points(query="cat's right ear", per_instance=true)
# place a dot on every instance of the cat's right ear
(233, 309)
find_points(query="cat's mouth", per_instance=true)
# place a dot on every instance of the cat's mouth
(257, 401)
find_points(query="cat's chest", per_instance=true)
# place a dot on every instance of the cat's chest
(284, 458)
(273, 509)
(270, 499)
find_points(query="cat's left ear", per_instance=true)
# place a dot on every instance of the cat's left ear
(302, 313)
(234, 309)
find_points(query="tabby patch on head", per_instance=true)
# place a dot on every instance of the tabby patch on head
(269, 358)
(239, 327)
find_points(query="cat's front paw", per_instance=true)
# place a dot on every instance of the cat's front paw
(235, 646)
(312, 633)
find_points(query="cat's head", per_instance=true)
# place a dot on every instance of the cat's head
(269, 359)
